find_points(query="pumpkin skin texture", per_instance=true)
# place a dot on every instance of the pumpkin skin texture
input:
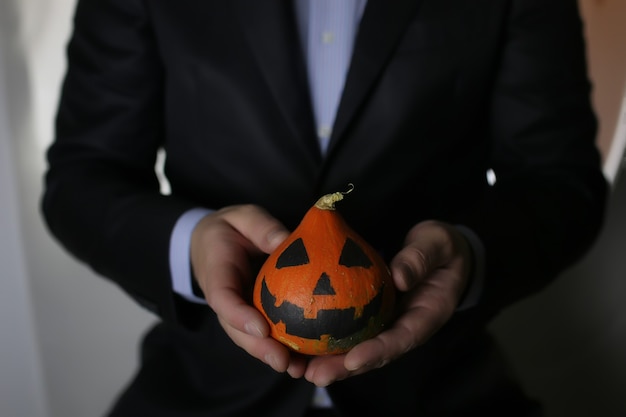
(324, 289)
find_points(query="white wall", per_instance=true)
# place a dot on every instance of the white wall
(606, 39)
(21, 389)
(84, 330)
(74, 335)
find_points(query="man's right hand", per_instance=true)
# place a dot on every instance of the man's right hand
(222, 247)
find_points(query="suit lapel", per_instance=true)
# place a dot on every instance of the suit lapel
(382, 24)
(270, 28)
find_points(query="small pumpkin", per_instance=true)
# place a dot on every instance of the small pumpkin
(324, 289)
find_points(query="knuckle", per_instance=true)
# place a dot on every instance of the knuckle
(419, 260)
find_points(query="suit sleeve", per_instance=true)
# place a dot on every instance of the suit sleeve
(547, 205)
(102, 198)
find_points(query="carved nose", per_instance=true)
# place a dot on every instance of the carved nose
(323, 286)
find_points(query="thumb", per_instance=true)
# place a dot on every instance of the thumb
(425, 250)
(258, 226)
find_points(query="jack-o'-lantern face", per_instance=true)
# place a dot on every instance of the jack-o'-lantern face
(325, 291)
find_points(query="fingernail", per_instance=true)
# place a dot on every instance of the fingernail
(291, 370)
(409, 278)
(355, 367)
(252, 329)
(271, 361)
(276, 237)
(383, 362)
(324, 384)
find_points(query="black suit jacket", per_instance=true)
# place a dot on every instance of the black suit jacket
(437, 93)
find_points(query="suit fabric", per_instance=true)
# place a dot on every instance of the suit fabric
(437, 93)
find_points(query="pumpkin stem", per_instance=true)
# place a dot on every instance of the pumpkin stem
(327, 202)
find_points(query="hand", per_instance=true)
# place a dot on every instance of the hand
(222, 246)
(432, 271)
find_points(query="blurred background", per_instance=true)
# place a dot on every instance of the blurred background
(68, 339)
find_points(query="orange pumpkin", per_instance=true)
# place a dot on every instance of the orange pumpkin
(324, 289)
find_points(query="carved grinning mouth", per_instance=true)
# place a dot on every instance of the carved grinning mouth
(336, 323)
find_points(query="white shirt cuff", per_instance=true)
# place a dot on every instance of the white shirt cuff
(473, 293)
(180, 244)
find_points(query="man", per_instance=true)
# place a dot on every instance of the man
(258, 119)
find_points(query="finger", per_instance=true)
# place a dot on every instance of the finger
(297, 366)
(411, 330)
(324, 370)
(414, 263)
(236, 313)
(265, 349)
(257, 225)
(428, 247)
(223, 292)
(425, 310)
(222, 275)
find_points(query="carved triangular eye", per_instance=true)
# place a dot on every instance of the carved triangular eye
(353, 255)
(323, 286)
(294, 255)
